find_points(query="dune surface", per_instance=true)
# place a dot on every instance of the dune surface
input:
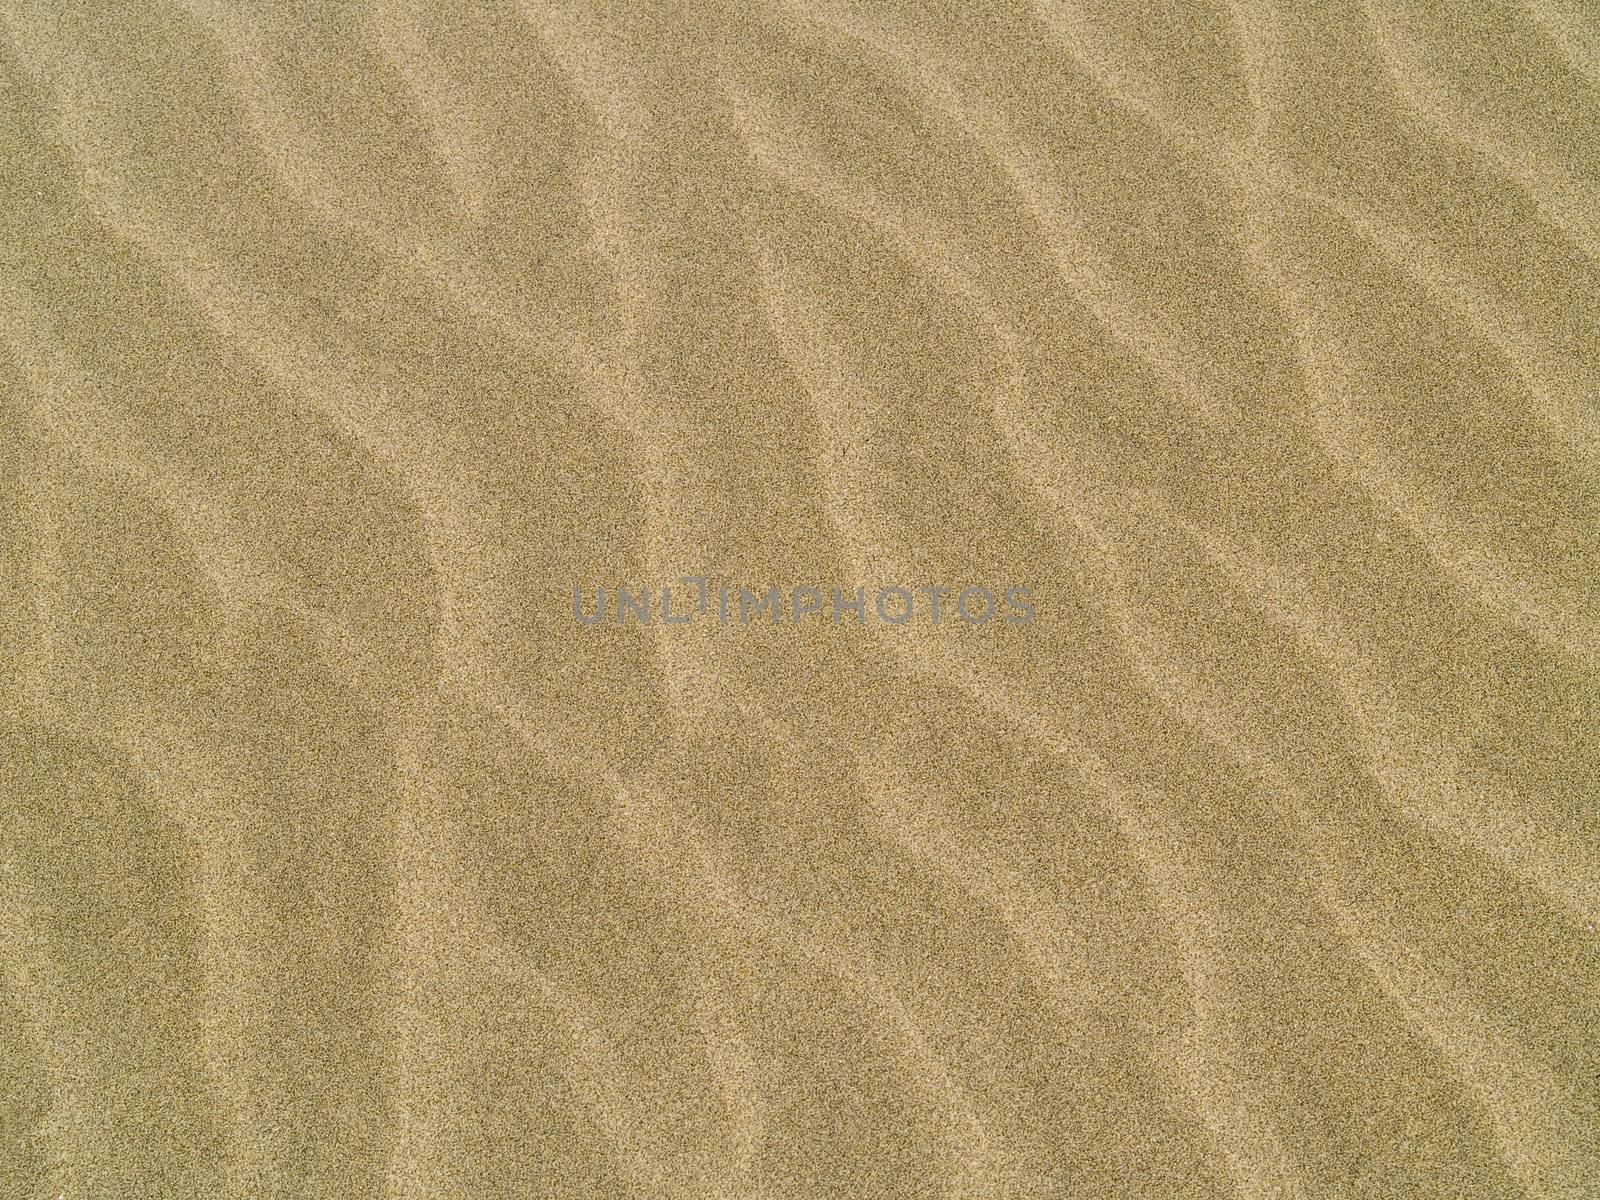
(341, 341)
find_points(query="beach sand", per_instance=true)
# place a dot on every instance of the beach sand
(1256, 339)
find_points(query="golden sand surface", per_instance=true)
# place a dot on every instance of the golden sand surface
(1257, 338)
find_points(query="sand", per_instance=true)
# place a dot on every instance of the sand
(1256, 339)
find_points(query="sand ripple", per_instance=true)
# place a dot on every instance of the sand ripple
(1258, 338)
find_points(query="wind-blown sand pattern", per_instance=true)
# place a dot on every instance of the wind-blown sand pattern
(341, 340)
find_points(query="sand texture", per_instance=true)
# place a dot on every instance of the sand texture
(1258, 338)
